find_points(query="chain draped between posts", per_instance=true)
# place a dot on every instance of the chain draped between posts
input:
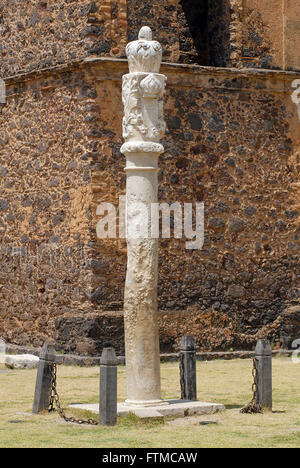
(253, 407)
(54, 402)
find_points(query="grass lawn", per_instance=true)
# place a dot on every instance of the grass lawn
(227, 382)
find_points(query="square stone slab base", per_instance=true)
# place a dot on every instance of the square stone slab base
(174, 408)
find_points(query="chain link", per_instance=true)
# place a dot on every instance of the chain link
(54, 402)
(253, 407)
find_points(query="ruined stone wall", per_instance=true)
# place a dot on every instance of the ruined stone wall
(45, 205)
(242, 137)
(191, 31)
(232, 142)
(265, 34)
(291, 34)
(262, 34)
(223, 33)
(219, 28)
(162, 18)
(38, 34)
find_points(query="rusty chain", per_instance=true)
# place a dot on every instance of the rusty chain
(253, 407)
(54, 402)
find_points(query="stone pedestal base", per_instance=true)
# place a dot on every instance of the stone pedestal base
(143, 404)
(174, 408)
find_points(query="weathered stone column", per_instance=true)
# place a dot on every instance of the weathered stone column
(44, 379)
(108, 387)
(188, 369)
(143, 126)
(263, 355)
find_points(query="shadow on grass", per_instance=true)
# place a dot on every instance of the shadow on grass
(228, 407)
(128, 421)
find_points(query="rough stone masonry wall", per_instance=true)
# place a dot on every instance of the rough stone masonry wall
(220, 33)
(191, 31)
(242, 138)
(232, 142)
(45, 204)
(220, 18)
(257, 49)
(261, 35)
(242, 141)
(38, 34)
(223, 33)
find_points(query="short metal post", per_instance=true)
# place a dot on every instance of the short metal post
(44, 379)
(108, 387)
(263, 355)
(188, 372)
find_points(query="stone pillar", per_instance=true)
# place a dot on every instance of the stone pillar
(143, 126)
(188, 370)
(108, 387)
(44, 379)
(263, 355)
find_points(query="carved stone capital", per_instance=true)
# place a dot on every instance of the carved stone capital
(143, 107)
(144, 55)
(143, 90)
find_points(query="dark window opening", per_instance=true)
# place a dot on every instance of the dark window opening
(204, 36)
(192, 32)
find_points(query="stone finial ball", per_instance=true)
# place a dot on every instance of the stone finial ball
(145, 33)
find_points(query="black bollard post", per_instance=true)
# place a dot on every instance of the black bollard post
(44, 378)
(108, 387)
(263, 355)
(188, 372)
